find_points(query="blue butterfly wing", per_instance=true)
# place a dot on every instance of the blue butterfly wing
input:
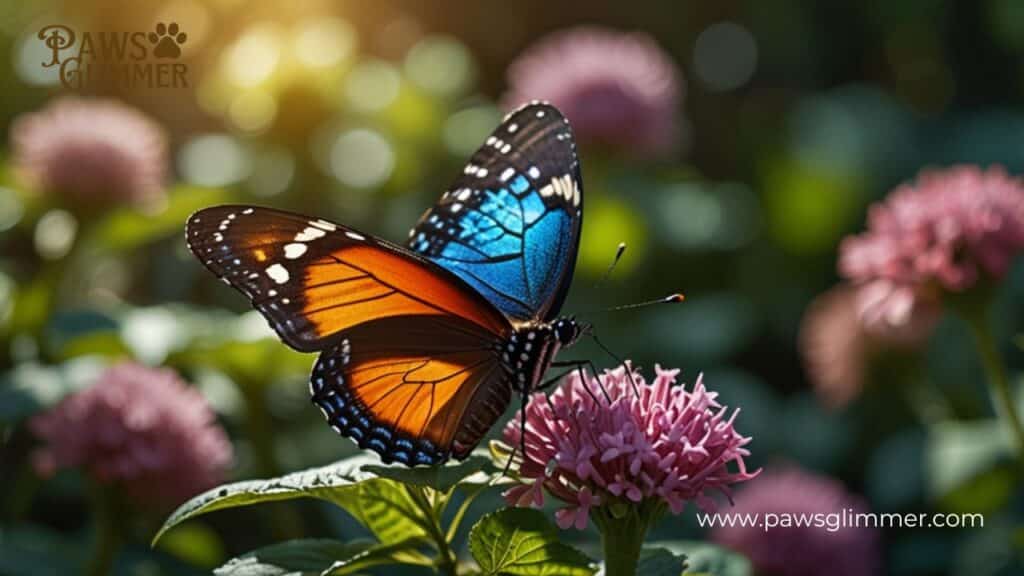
(510, 224)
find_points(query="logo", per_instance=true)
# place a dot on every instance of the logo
(129, 59)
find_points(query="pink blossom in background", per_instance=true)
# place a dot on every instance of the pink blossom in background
(943, 233)
(669, 444)
(801, 550)
(141, 428)
(92, 151)
(834, 347)
(618, 89)
(837, 347)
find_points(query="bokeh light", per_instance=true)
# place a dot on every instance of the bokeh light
(326, 42)
(55, 234)
(440, 65)
(725, 56)
(213, 160)
(254, 57)
(362, 158)
(372, 85)
(11, 208)
(466, 129)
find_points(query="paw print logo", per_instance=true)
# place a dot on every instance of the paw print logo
(167, 39)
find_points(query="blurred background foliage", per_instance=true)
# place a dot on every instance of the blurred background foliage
(795, 115)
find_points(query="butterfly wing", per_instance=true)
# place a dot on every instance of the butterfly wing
(410, 363)
(510, 224)
(413, 389)
(313, 279)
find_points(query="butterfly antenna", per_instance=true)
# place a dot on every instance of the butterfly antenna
(670, 299)
(611, 267)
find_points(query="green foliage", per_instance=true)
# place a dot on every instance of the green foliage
(521, 542)
(30, 388)
(337, 483)
(128, 228)
(703, 559)
(314, 557)
(660, 562)
(404, 508)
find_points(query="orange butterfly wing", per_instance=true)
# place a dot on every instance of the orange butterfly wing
(313, 279)
(414, 389)
(410, 363)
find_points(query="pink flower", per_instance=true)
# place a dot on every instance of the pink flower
(668, 445)
(91, 151)
(826, 545)
(943, 233)
(140, 428)
(615, 88)
(834, 346)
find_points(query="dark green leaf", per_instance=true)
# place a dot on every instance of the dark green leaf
(660, 562)
(320, 556)
(401, 552)
(387, 509)
(475, 469)
(707, 559)
(335, 483)
(521, 542)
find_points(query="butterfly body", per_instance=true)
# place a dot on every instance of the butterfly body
(422, 346)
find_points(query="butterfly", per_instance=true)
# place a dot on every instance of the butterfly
(422, 345)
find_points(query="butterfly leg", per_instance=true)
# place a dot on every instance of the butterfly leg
(578, 365)
(629, 369)
(522, 436)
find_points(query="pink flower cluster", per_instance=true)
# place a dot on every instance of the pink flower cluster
(943, 233)
(615, 88)
(828, 545)
(668, 444)
(91, 151)
(141, 428)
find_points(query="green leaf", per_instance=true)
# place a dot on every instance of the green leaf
(401, 552)
(707, 559)
(521, 542)
(129, 228)
(337, 483)
(660, 562)
(315, 556)
(958, 452)
(473, 470)
(30, 388)
(387, 509)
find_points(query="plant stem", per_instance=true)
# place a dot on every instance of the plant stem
(446, 562)
(622, 538)
(1003, 399)
(107, 532)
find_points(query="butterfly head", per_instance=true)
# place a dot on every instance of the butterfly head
(568, 330)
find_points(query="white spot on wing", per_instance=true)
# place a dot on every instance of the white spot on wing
(512, 128)
(278, 273)
(508, 173)
(324, 224)
(355, 236)
(534, 172)
(294, 250)
(310, 233)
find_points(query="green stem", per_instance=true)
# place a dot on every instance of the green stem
(1003, 399)
(446, 563)
(622, 537)
(108, 534)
